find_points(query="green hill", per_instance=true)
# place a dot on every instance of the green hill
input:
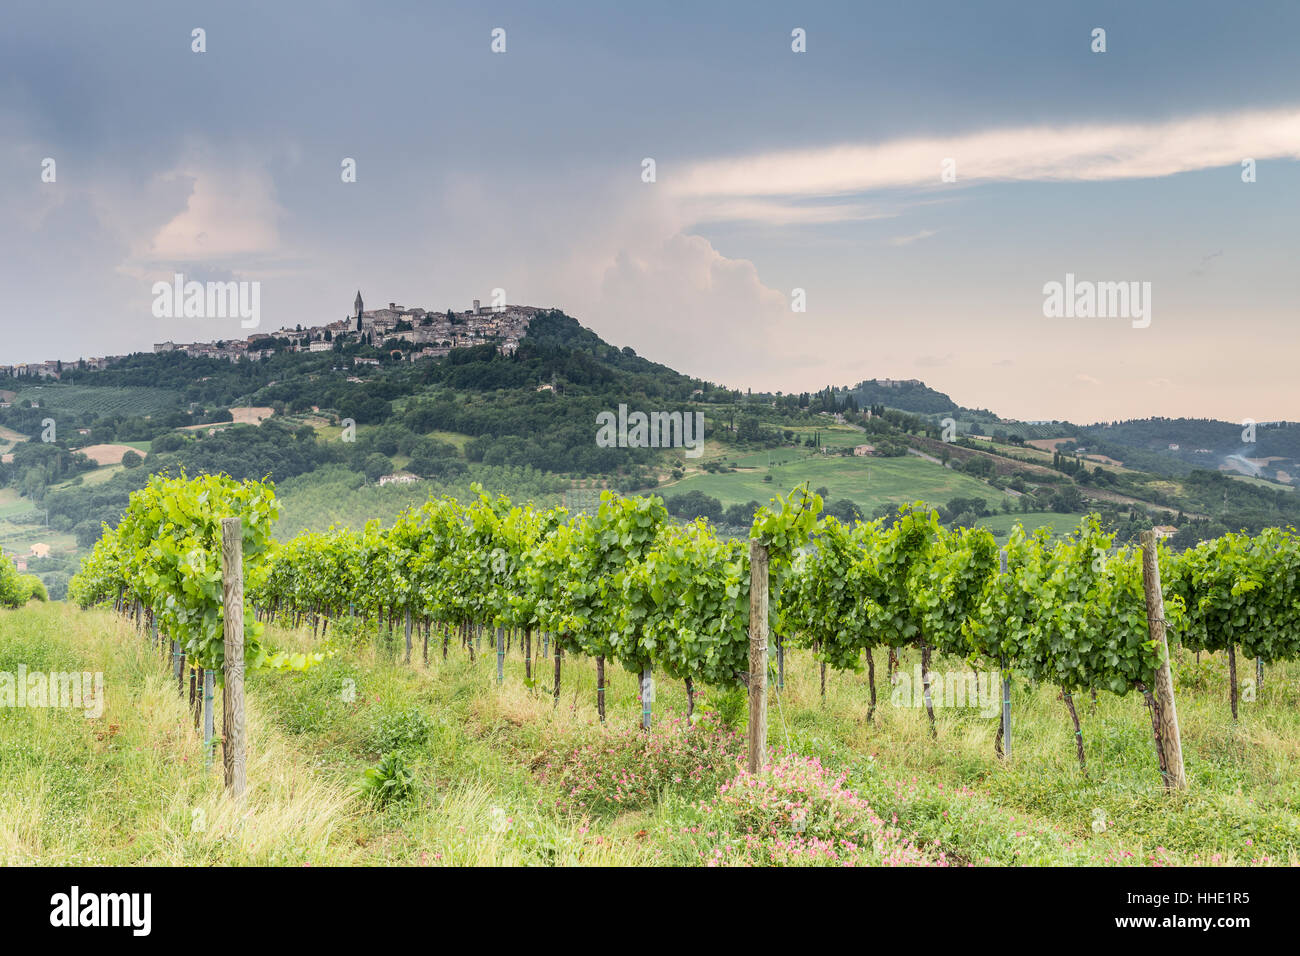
(524, 423)
(915, 397)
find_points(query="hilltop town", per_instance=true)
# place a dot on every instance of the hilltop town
(437, 332)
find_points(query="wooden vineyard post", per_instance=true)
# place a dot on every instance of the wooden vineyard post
(1170, 743)
(408, 635)
(1006, 681)
(871, 684)
(501, 656)
(234, 755)
(555, 702)
(758, 584)
(600, 687)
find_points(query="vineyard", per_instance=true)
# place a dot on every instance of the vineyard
(77, 400)
(627, 587)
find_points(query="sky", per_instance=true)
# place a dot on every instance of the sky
(774, 171)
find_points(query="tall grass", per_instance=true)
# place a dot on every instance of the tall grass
(131, 787)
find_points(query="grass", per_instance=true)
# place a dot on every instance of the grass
(868, 481)
(1001, 524)
(452, 438)
(832, 436)
(503, 776)
(1262, 482)
(98, 476)
(12, 503)
(131, 788)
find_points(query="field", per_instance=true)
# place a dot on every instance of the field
(12, 504)
(1264, 483)
(106, 454)
(19, 538)
(249, 415)
(867, 481)
(1046, 444)
(501, 777)
(832, 436)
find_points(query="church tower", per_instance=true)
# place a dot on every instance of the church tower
(357, 305)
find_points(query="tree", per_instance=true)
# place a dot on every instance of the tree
(740, 516)
(430, 457)
(87, 533)
(376, 466)
(695, 504)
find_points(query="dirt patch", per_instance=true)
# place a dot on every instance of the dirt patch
(247, 415)
(251, 414)
(1104, 460)
(108, 454)
(1046, 444)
